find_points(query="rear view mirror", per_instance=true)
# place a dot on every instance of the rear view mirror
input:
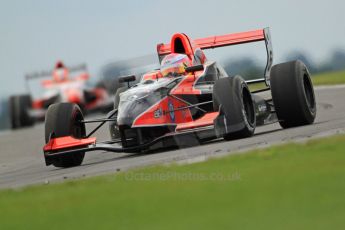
(195, 68)
(127, 79)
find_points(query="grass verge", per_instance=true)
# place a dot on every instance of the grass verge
(294, 186)
(332, 78)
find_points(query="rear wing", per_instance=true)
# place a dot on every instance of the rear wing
(45, 74)
(233, 39)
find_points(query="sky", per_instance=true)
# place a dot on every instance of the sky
(34, 34)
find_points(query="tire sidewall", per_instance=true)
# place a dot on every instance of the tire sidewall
(303, 72)
(250, 126)
(61, 119)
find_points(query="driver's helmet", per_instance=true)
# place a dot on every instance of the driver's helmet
(174, 65)
(60, 72)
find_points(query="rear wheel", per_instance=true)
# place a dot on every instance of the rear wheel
(62, 120)
(293, 94)
(233, 100)
(19, 111)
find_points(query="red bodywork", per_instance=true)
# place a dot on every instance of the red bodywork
(67, 142)
(216, 41)
(148, 118)
(206, 120)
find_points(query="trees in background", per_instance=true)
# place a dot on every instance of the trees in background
(249, 68)
(335, 63)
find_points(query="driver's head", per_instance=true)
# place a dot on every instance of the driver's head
(174, 65)
(59, 65)
(60, 72)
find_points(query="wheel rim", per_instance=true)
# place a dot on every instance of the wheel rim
(78, 129)
(309, 93)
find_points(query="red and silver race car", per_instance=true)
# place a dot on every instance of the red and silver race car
(62, 87)
(189, 100)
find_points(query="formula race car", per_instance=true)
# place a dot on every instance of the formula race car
(62, 87)
(187, 101)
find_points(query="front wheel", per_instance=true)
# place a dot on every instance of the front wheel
(63, 119)
(233, 100)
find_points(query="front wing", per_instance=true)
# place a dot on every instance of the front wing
(200, 130)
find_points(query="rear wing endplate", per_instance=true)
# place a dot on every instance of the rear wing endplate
(233, 39)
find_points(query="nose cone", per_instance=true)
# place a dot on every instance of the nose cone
(136, 101)
(128, 112)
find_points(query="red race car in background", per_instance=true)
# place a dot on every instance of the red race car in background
(189, 100)
(62, 87)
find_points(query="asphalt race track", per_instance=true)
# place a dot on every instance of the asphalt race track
(22, 163)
